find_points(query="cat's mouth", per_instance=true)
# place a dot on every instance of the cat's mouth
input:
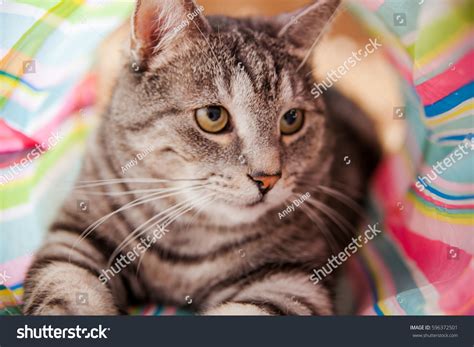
(242, 203)
(259, 201)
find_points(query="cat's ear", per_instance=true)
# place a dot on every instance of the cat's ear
(303, 27)
(161, 26)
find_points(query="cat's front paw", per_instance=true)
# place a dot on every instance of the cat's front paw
(52, 310)
(236, 309)
(81, 306)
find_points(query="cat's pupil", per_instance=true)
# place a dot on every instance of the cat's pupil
(214, 113)
(290, 117)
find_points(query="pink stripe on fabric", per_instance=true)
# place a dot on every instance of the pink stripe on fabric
(372, 5)
(82, 96)
(445, 57)
(169, 311)
(15, 270)
(447, 82)
(457, 235)
(12, 140)
(430, 199)
(148, 310)
(459, 299)
(391, 184)
(440, 262)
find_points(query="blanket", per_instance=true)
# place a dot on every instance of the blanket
(422, 197)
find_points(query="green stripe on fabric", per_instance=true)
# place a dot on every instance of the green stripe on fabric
(442, 30)
(11, 311)
(19, 193)
(34, 38)
(411, 51)
(452, 214)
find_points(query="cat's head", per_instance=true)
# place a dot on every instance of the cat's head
(224, 100)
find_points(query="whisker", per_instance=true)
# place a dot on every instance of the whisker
(333, 215)
(135, 234)
(343, 198)
(129, 192)
(198, 211)
(206, 202)
(300, 178)
(136, 202)
(97, 183)
(319, 222)
(142, 200)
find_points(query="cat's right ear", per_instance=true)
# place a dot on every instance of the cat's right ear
(304, 27)
(160, 27)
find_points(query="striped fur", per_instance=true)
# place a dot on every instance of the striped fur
(226, 248)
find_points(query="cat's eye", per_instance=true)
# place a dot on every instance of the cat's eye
(212, 119)
(292, 121)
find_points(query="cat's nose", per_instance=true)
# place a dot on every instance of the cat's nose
(265, 182)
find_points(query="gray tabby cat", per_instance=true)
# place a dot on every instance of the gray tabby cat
(226, 106)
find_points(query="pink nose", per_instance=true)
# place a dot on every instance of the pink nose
(266, 182)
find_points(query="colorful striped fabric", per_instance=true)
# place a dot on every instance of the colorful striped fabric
(422, 264)
(46, 91)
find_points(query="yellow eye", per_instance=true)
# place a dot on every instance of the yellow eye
(212, 119)
(291, 122)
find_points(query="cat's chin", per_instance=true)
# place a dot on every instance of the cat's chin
(228, 214)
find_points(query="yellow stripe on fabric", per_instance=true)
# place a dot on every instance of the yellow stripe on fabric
(33, 39)
(434, 37)
(445, 46)
(469, 106)
(432, 212)
(7, 298)
(377, 282)
(13, 83)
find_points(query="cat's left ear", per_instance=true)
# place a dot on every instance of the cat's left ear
(161, 27)
(303, 27)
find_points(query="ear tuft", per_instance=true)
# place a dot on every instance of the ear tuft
(158, 26)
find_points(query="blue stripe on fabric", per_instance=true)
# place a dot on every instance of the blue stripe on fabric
(450, 101)
(22, 81)
(456, 138)
(373, 290)
(21, 118)
(16, 286)
(446, 196)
